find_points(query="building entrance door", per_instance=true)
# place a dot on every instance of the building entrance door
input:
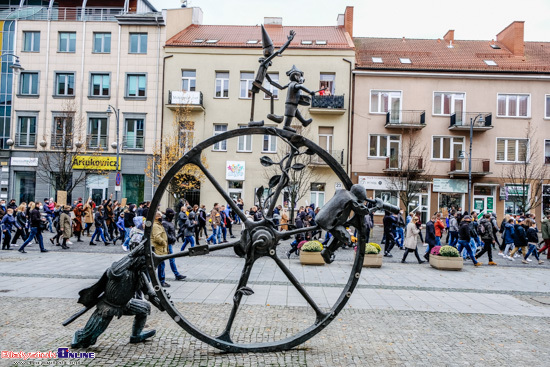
(484, 200)
(97, 187)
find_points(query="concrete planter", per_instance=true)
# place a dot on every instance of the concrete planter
(446, 262)
(373, 260)
(311, 258)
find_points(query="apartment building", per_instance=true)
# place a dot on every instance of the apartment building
(434, 93)
(209, 71)
(79, 58)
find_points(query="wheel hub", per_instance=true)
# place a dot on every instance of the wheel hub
(263, 240)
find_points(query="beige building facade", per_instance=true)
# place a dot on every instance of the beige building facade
(209, 71)
(427, 94)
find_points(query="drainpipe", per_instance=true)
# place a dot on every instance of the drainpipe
(157, 99)
(351, 99)
(162, 98)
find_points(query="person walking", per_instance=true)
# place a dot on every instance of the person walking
(99, 223)
(66, 226)
(545, 229)
(520, 238)
(431, 238)
(284, 220)
(8, 222)
(55, 225)
(411, 239)
(171, 239)
(215, 220)
(223, 222)
(159, 240)
(400, 230)
(464, 238)
(189, 231)
(439, 229)
(202, 221)
(182, 219)
(88, 212)
(120, 229)
(389, 221)
(49, 210)
(21, 219)
(453, 229)
(129, 215)
(532, 240)
(507, 238)
(486, 231)
(77, 222)
(494, 224)
(37, 224)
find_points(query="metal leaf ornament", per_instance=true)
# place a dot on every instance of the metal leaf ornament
(266, 161)
(298, 166)
(273, 181)
(259, 194)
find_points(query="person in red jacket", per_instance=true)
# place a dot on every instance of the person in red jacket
(439, 228)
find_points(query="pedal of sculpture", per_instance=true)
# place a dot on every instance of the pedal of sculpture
(118, 293)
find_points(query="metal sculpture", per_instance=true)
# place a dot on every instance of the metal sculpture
(119, 292)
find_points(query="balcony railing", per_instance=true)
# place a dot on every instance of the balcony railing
(134, 142)
(336, 154)
(413, 164)
(25, 140)
(60, 141)
(185, 99)
(62, 14)
(480, 167)
(96, 142)
(406, 118)
(462, 121)
(336, 101)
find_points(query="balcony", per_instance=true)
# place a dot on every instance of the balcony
(405, 166)
(133, 143)
(336, 154)
(327, 105)
(95, 141)
(463, 121)
(480, 167)
(179, 99)
(62, 14)
(406, 119)
(61, 141)
(25, 140)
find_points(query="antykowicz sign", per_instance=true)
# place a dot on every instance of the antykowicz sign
(96, 163)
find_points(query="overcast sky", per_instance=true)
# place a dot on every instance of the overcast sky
(471, 19)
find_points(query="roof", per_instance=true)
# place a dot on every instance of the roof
(436, 55)
(238, 36)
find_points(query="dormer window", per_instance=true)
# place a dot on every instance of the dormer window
(212, 41)
(490, 62)
(198, 41)
(377, 60)
(405, 60)
(321, 42)
(252, 42)
(495, 46)
(304, 42)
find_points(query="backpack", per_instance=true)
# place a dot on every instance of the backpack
(482, 228)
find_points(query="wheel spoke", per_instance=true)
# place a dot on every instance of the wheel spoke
(287, 234)
(226, 334)
(222, 192)
(280, 185)
(160, 258)
(320, 314)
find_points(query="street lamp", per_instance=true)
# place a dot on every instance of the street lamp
(472, 121)
(117, 143)
(16, 65)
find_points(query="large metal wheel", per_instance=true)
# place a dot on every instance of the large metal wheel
(258, 239)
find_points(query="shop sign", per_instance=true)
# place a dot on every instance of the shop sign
(450, 185)
(234, 170)
(478, 205)
(24, 161)
(378, 183)
(96, 163)
(490, 204)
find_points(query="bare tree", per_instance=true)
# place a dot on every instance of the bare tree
(68, 141)
(530, 171)
(408, 171)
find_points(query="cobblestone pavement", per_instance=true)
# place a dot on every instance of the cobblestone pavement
(355, 338)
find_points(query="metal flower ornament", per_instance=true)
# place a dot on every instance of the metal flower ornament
(260, 239)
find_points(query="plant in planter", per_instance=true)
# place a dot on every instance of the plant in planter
(448, 259)
(373, 256)
(310, 253)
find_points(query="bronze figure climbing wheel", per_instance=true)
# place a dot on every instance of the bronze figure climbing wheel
(258, 239)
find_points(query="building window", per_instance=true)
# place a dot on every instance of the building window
(317, 194)
(31, 41)
(244, 142)
(269, 144)
(136, 85)
(62, 134)
(513, 105)
(545, 198)
(448, 103)
(246, 85)
(186, 136)
(222, 85)
(25, 186)
(133, 133)
(100, 85)
(547, 151)
(387, 196)
(64, 84)
(222, 145)
(384, 101)
(326, 83)
(97, 133)
(512, 150)
(326, 135)
(547, 106)
(447, 147)
(188, 80)
(26, 131)
(133, 188)
(102, 43)
(138, 43)
(28, 84)
(274, 90)
(67, 42)
(381, 146)
(517, 195)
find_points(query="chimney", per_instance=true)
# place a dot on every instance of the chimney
(512, 38)
(273, 22)
(449, 37)
(180, 18)
(348, 20)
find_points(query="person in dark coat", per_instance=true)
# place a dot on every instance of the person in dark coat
(390, 221)
(21, 219)
(8, 222)
(464, 238)
(182, 219)
(99, 223)
(189, 230)
(430, 237)
(520, 238)
(486, 231)
(36, 231)
(171, 234)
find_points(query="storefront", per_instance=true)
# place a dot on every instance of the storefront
(450, 193)
(484, 198)
(420, 202)
(133, 188)
(97, 182)
(382, 188)
(24, 182)
(545, 198)
(515, 198)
